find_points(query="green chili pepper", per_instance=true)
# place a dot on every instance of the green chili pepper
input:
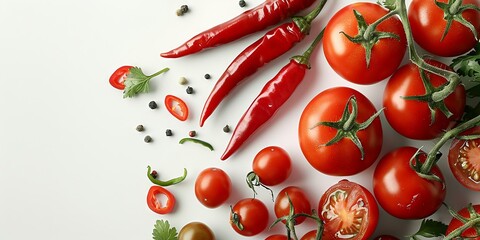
(165, 183)
(195, 140)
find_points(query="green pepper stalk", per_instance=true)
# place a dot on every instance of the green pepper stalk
(168, 182)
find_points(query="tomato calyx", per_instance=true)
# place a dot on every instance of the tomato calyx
(235, 219)
(416, 164)
(471, 222)
(253, 180)
(347, 127)
(290, 221)
(453, 12)
(367, 36)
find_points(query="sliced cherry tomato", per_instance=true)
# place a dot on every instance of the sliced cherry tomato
(411, 117)
(177, 107)
(464, 160)
(299, 200)
(343, 157)
(401, 191)
(469, 233)
(155, 205)
(428, 23)
(277, 237)
(272, 165)
(118, 77)
(196, 231)
(349, 211)
(348, 58)
(249, 217)
(212, 187)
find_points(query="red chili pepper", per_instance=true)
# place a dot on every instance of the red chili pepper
(273, 95)
(177, 107)
(155, 205)
(266, 14)
(118, 77)
(272, 45)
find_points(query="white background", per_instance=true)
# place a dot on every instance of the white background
(73, 166)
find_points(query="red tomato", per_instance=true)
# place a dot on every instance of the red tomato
(251, 214)
(348, 58)
(118, 77)
(177, 107)
(312, 235)
(401, 191)
(272, 165)
(155, 205)
(464, 160)
(277, 237)
(212, 187)
(386, 237)
(299, 200)
(428, 25)
(344, 157)
(349, 212)
(469, 233)
(412, 118)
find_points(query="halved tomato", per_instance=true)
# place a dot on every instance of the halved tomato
(464, 159)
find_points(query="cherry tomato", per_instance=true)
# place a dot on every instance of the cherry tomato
(401, 191)
(117, 78)
(249, 217)
(272, 165)
(299, 200)
(212, 187)
(385, 237)
(177, 107)
(349, 211)
(348, 58)
(312, 235)
(428, 25)
(412, 118)
(343, 157)
(464, 160)
(277, 237)
(196, 231)
(469, 233)
(155, 205)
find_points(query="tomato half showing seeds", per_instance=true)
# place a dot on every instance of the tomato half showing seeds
(401, 191)
(428, 24)
(196, 231)
(344, 157)
(349, 211)
(348, 58)
(464, 159)
(249, 217)
(118, 77)
(155, 203)
(272, 165)
(413, 118)
(299, 200)
(469, 233)
(212, 187)
(177, 107)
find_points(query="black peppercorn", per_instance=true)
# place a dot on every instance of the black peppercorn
(242, 3)
(140, 128)
(183, 9)
(147, 139)
(189, 90)
(226, 129)
(152, 105)
(168, 132)
(207, 76)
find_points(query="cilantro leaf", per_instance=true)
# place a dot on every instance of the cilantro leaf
(137, 82)
(163, 231)
(430, 228)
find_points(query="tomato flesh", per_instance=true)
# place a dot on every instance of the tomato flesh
(464, 160)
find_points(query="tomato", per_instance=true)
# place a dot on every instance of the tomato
(385, 237)
(464, 160)
(177, 107)
(348, 58)
(343, 157)
(469, 233)
(312, 235)
(349, 211)
(196, 231)
(155, 205)
(412, 118)
(118, 77)
(401, 191)
(299, 200)
(249, 217)
(272, 165)
(277, 237)
(212, 187)
(428, 25)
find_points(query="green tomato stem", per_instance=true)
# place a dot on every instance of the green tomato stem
(458, 232)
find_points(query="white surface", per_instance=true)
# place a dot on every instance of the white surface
(71, 163)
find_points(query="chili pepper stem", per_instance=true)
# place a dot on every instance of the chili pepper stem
(314, 13)
(305, 57)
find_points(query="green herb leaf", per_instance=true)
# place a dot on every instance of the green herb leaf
(137, 82)
(163, 231)
(430, 228)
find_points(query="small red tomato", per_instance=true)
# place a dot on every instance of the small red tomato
(272, 165)
(277, 237)
(299, 200)
(349, 211)
(464, 160)
(312, 235)
(177, 107)
(469, 233)
(118, 77)
(249, 217)
(155, 205)
(212, 187)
